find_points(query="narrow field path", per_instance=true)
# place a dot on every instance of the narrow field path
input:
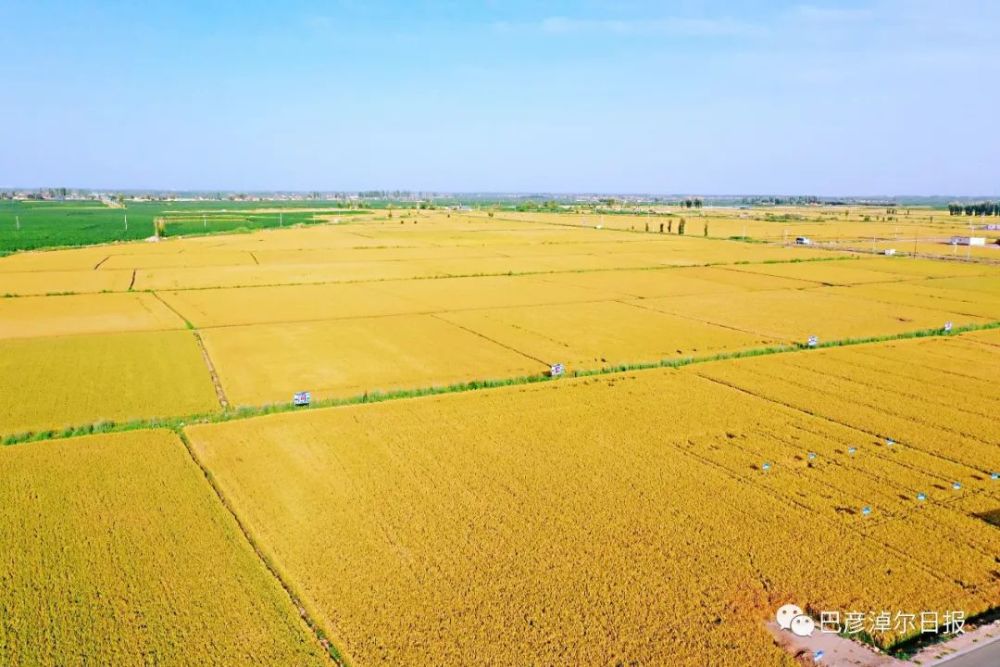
(216, 381)
(209, 365)
(328, 648)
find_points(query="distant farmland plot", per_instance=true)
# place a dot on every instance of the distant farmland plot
(38, 283)
(602, 333)
(116, 551)
(52, 224)
(33, 316)
(794, 315)
(285, 303)
(56, 382)
(45, 224)
(267, 363)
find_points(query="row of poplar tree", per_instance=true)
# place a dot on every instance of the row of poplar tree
(979, 208)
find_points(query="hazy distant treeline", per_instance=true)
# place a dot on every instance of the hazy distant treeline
(977, 208)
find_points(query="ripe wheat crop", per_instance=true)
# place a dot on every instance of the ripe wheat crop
(116, 551)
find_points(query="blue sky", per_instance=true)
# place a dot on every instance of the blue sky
(862, 97)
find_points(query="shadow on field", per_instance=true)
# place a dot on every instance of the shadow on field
(992, 517)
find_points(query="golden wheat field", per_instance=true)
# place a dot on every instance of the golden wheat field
(572, 534)
(34, 316)
(797, 314)
(932, 294)
(861, 228)
(116, 551)
(581, 337)
(34, 283)
(268, 363)
(828, 273)
(63, 381)
(642, 284)
(697, 467)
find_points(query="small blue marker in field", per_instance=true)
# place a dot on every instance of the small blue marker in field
(811, 456)
(921, 496)
(852, 450)
(866, 510)
(818, 655)
(766, 467)
(995, 475)
(889, 442)
(957, 486)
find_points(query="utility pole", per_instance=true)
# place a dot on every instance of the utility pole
(126, 221)
(17, 222)
(204, 221)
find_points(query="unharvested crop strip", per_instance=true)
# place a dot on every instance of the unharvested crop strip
(328, 647)
(247, 412)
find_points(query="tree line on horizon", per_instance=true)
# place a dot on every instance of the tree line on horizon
(977, 208)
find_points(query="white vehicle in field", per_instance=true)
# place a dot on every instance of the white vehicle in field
(968, 240)
(803, 240)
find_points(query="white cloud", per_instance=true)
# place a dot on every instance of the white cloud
(670, 26)
(818, 14)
